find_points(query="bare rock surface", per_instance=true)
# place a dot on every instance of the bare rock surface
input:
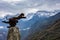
(13, 34)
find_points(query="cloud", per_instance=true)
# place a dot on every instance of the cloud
(28, 6)
(1, 27)
(3, 14)
(25, 29)
(12, 1)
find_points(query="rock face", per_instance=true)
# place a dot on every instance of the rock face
(13, 34)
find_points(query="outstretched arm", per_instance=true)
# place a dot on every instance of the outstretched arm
(23, 17)
(19, 17)
(5, 21)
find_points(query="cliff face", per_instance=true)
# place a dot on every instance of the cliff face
(51, 33)
(13, 34)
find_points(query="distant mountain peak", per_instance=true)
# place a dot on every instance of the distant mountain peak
(43, 14)
(46, 13)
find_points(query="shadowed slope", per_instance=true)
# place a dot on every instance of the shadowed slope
(52, 33)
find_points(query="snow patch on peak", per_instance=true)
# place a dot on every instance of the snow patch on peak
(41, 14)
(45, 13)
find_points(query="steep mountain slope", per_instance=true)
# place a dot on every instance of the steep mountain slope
(52, 33)
(3, 34)
(41, 25)
(37, 22)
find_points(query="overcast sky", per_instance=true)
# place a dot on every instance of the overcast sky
(12, 7)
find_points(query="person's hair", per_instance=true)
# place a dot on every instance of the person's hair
(22, 14)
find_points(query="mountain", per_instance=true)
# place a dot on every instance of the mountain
(34, 23)
(51, 33)
(37, 22)
(41, 25)
(44, 21)
(3, 33)
(27, 24)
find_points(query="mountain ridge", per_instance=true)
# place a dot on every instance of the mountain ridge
(45, 26)
(42, 35)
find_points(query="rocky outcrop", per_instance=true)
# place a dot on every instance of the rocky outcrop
(13, 34)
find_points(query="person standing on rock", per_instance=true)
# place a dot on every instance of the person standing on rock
(13, 32)
(14, 20)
